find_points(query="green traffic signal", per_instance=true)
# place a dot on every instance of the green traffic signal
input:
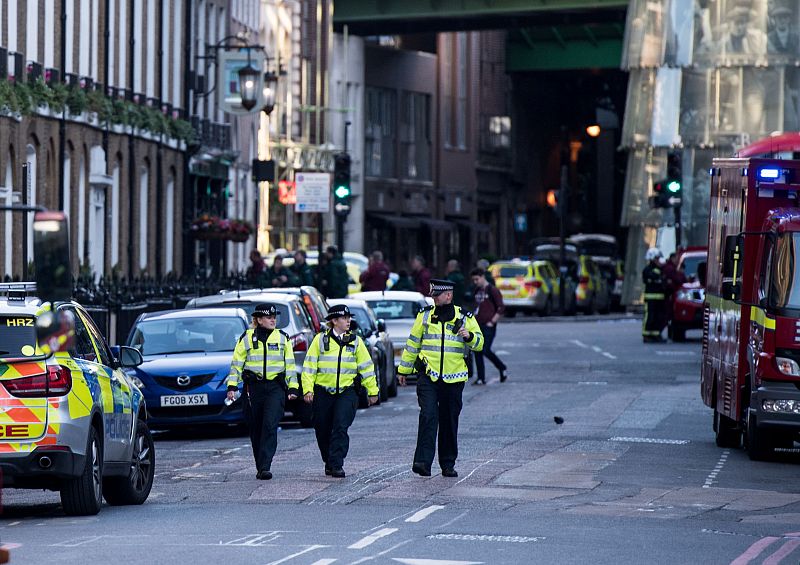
(674, 186)
(342, 191)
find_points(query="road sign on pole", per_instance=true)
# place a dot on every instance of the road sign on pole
(313, 192)
(521, 222)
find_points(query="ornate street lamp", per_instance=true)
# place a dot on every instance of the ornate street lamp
(268, 94)
(248, 79)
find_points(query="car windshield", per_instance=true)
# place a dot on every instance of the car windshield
(508, 271)
(785, 283)
(249, 307)
(598, 248)
(394, 309)
(690, 263)
(362, 319)
(17, 336)
(187, 335)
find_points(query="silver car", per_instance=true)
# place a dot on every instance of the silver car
(398, 309)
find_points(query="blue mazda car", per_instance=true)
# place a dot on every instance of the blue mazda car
(187, 357)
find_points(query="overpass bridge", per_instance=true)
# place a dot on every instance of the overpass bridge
(543, 34)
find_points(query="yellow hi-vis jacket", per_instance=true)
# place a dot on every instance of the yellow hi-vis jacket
(336, 367)
(441, 350)
(251, 354)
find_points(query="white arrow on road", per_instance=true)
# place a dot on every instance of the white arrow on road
(435, 562)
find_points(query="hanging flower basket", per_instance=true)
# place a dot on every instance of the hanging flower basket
(210, 235)
(208, 227)
(239, 237)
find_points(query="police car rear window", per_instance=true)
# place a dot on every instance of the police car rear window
(17, 336)
(512, 271)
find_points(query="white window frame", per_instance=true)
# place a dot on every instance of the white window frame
(144, 192)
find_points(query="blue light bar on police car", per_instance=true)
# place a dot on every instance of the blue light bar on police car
(769, 173)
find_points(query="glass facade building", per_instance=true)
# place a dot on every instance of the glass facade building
(706, 78)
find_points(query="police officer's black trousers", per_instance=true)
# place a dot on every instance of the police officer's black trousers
(440, 406)
(488, 337)
(333, 415)
(263, 408)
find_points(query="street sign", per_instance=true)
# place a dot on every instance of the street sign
(313, 192)
(520, 222)
(342, 209)
(674, 201)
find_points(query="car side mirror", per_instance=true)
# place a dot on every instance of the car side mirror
(381, 325)
(127, 356)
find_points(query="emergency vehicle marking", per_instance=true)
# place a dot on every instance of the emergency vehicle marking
(19, 322)
(758, 316)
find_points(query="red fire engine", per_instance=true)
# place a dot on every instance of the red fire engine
(751, 314)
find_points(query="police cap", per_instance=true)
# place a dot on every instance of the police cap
(338, 311)
(438, 286)
(265, 310)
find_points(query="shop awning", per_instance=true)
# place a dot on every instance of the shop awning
(475, 226)
(396, 221)
(437, 225)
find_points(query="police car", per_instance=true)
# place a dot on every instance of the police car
(70, 421)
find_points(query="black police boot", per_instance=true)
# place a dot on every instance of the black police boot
(264, 475)
(421, 469)
(337, 473)
(328, 470)
(449, 472)
(503, 376)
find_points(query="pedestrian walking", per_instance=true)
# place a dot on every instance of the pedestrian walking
(257, 266)
(301, 270)
(455, 276)
(263, 359)
(335, 277)
(440, 339)
(654, 297)
(421, 275)
(335, 361)
(488, 309)
(376, 275)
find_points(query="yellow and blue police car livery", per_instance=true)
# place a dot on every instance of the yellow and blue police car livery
(69, 415)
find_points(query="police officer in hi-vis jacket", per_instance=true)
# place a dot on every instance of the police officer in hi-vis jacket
(264, 360)
(334, 360)
(439, 343)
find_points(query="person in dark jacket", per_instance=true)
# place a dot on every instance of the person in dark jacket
(376, 275)
(488, 309)
(277, 275)
(335, 275)
(421, 275)
(455, 276)
(654, 297)
(301, 270)
(404, 281)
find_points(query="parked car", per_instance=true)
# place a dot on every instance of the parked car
(687, 303)
(573, 299)
(604, 251)
(313, 300)
(593, 284)
(398, 309)
(530, 286)
(373, 330)
(293, 318)
(72, 421)
(187, 358)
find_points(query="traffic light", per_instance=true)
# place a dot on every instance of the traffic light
(674, 178)
(341, 184)
(552, 199)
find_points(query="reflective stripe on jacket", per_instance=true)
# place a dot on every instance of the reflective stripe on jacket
(336, 367)
(277, 357)
(439, 348)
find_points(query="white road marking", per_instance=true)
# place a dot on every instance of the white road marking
(650, 440)
(435, 562)
(380, 554)
(593, 382)
(293, 555)
(77, 541)
(502, 352)
(324, 562)
(15, 523)
(475, 469)
(580, 344)
(712, 476)
(255, 539)
(372, 538)
(679, 352)
(606, 354)
(594, 348)
(454, 520)
(485, 537)
(424, 513)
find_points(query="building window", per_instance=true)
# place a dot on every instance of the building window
(462, 87)
(495, 133)
(415, 136)
(381, 135)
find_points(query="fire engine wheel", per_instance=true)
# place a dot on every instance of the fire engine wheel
(135, 487)
(726, 433)
(759, 447)
(83, 495)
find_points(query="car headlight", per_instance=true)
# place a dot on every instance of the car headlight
(136, 380)
(788, 366)
(683, 295)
